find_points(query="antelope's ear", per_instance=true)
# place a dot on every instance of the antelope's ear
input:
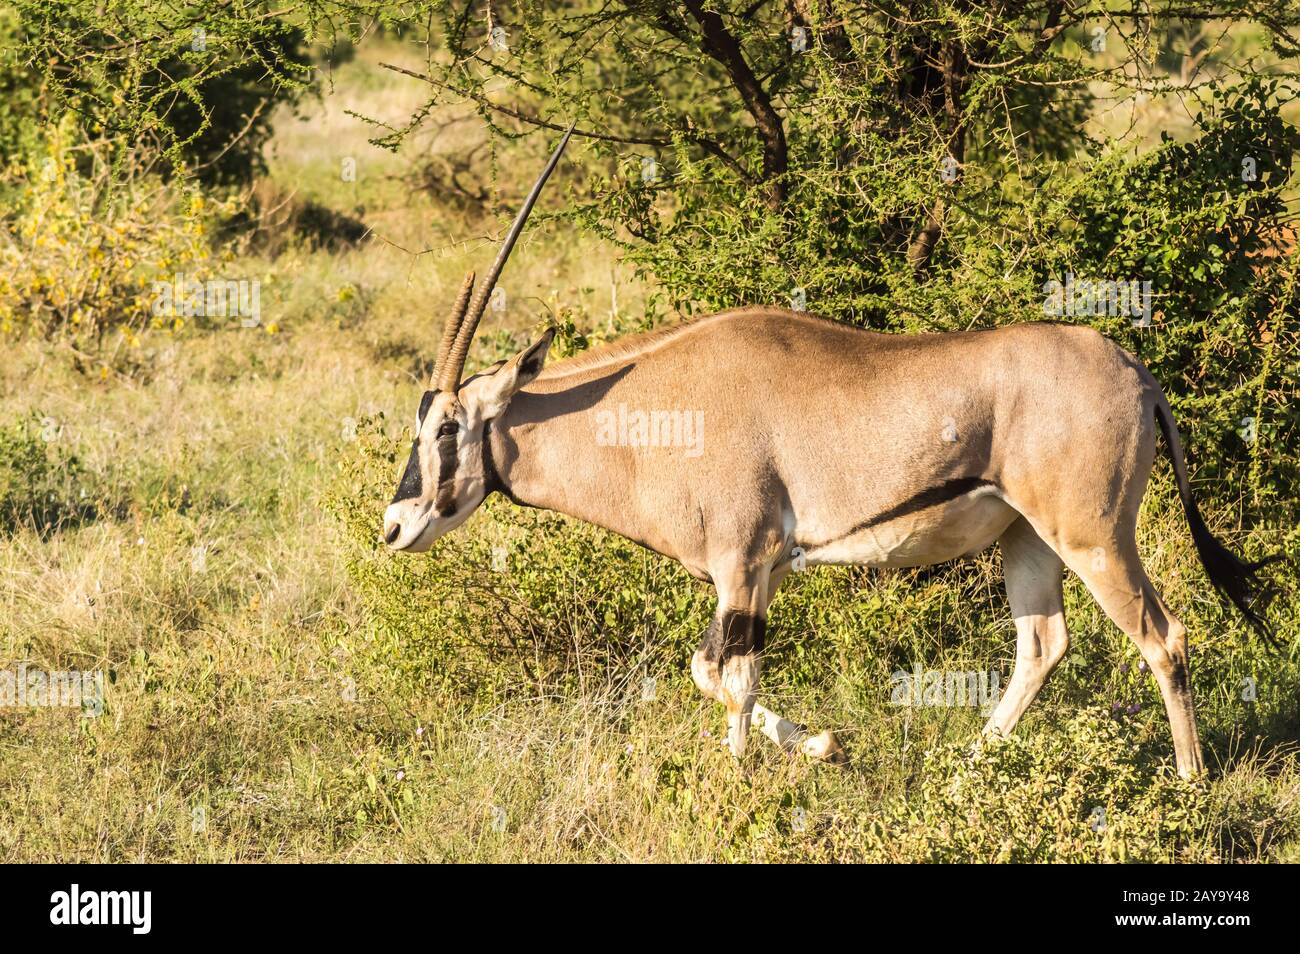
(494, 391)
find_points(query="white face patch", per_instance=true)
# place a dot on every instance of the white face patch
(443, 482)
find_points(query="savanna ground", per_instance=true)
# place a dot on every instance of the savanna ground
(281, 689)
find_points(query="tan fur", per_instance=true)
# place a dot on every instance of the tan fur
(814, 431)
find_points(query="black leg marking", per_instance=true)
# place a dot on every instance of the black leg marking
(1178, 678)
(734, 633)
(711, 645)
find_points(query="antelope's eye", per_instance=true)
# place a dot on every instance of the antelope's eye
(447, 429)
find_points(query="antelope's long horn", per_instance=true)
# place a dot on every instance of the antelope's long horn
(449, 333)
(449, 375)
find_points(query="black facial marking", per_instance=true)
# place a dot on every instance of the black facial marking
(733, 633)
(411, 484)
(424, 406)
(445, 503)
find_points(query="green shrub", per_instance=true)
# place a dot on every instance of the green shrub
(82, 253)
(199, 85)
(1185, 216)
(19, 97)
(41, 484)
(1088, 791)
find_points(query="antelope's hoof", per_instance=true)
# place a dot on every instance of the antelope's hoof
(826, 748)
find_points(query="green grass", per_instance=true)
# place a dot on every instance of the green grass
(280, 689)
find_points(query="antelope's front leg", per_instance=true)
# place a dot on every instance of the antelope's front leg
(727, 664)
(795, 738)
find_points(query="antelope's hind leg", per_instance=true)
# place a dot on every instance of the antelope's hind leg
(1033, 575)
(1114, 575)
(1093, 527)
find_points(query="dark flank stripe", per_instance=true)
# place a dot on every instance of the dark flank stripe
(922, 500)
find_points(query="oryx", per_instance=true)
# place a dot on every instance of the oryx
(824, 443)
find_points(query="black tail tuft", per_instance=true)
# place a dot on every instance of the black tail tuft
(1232, 576)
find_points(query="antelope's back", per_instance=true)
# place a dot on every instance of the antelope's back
(843, 411)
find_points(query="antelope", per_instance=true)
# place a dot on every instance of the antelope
(828, 444)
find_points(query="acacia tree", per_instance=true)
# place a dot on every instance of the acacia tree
(193, 83)
(756, 97)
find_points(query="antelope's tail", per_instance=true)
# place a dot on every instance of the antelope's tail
(1233, 577)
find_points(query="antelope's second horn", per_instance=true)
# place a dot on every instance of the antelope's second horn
(460, 347)
(438, 379)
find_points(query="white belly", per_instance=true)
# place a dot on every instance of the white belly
(956, 528)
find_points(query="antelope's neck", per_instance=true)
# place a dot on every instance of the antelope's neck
(544, 451)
